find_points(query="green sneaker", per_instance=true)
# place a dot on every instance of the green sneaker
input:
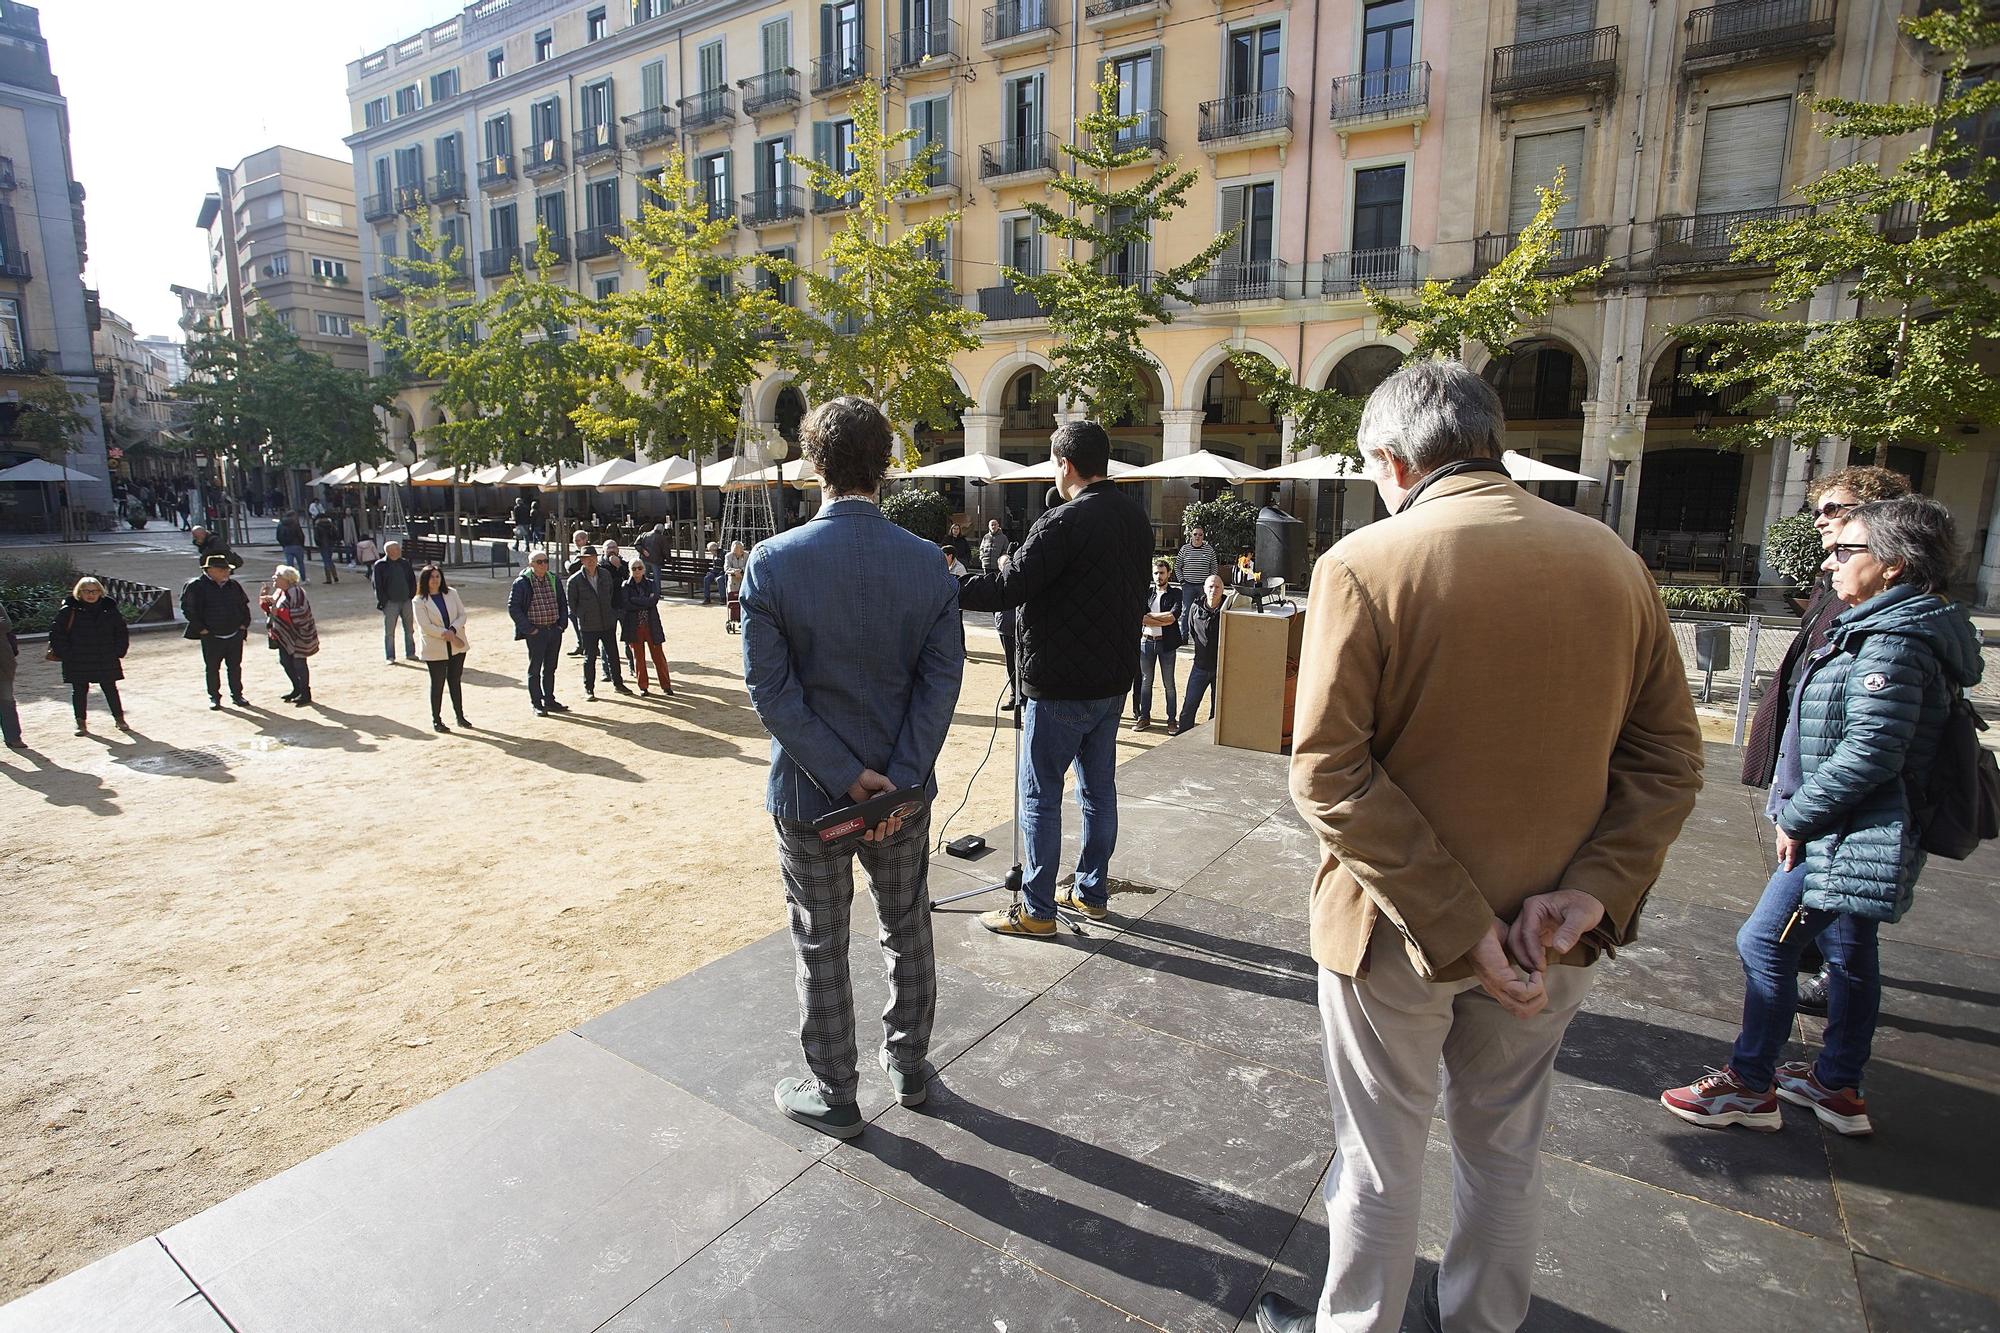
(799, 1099)
(1067, 900)
(910, 1089)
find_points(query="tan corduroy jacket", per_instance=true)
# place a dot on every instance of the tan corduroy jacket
(1490, 706)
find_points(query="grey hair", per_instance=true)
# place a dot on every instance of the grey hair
(1430, 414)
(286, 574)
(1913, 531)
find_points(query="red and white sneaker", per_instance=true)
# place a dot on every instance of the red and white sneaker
(1844, 1111)
(1719, 1098)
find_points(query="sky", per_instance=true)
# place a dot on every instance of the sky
(161, 95)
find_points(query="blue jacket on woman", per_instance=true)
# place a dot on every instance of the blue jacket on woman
(639, 602)
(1872, 705)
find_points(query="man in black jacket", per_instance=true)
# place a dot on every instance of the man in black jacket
(395, 581)
(217, 611)
(1202, 624)
(208, 543)
(594, 599)
(1080, 580)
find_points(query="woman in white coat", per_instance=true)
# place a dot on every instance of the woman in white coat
(441, 622)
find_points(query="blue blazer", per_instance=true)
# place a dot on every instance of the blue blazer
(853, 652)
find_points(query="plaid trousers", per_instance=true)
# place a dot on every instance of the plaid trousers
(819, 891)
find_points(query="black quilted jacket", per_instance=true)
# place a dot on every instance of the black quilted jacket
(1080, 581)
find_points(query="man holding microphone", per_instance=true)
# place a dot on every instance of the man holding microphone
(1079, 578)
(853, 653)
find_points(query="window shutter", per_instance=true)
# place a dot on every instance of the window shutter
(1232, 217)
(610, 103)
(826, 44)
(777, 39)
(1536, 19)
(1743, 156)
(653, 85)
(1536, 158)
(1158, 58)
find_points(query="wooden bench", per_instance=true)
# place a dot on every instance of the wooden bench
(427, 551)
(688, 570)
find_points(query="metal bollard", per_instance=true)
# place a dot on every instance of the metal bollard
(1743, 683)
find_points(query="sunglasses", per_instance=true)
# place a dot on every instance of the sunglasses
(1843, 550)
(1832, 509)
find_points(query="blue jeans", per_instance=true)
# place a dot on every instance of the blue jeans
(1771, 985)
(326, 560)
(393, 612)
(544, 651)
(711, 584)
(1142, 689)
(1061, 732)
(1198, 681)
(295, 556)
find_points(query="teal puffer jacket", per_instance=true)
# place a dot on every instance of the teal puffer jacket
(1872, 704)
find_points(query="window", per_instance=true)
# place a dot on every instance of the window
(1536, 158)
(1255, 65)
(714, 176)
(1981, 132)
(770, 163)
(1743, 156)
(278, 265)
(13, 351)
(500, 135)
(503, 228)
(284, 317)
(607, 287)
(382, 176)
(274, 208)
(451, 238)
(545, 124)
(649, 188)
(1138, 95)
(1254, 209)
(1535, 20)
(552, 211)
(375, 112)
(325, 213)
(653, 85)
(708, 58)
(409, 167)
(595, 26)
(1388, 35)
(335, 326)
(931, 119)
(840, 36)
(600, 203)
(596, 108)
(1022, 108)
(545, 45)
(768, 279)
(833, 144)
(774, 41)
(649, 9)
(444, 84)
(1378, 210)
(409, 100)
(327, 269)
(1021, 244)
(496, 64)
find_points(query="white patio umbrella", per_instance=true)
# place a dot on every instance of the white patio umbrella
(1201, 465)
(340, 476)
(590, 478)
(654, 476)
(1319, 467)
(501, 474)
(1045, 472)
(983, 467)
(1523, 468)
(793, 472)
(36, 469)
(432, 472)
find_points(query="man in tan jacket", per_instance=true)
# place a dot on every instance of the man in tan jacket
(1495, 743)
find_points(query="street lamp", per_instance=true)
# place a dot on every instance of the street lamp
(1624, 445)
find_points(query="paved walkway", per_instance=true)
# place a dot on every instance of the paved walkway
(1130, 1130)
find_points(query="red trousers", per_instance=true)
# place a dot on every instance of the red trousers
(639, 646)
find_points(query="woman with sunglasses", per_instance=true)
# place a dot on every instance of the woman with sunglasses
(1828, 500)
(1860, 736)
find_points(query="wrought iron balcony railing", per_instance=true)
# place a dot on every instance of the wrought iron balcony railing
(595, 141)
(1150, 133)
(595, 242)
(544, 159)
(708, 109)
(377, 207)
(841, 69)
(937, 44)
(1245, 280)
(767, 207)
(1389, 269)
(558, 245)
(1710, 238)
(1245, 116)
(496, 171)
(498, 261)
(1382, 94)
(1576, 247)
(1017, 157)
(773, 90)
(1754, 29)
(1009, 302)
(447, 186)
(1556, 64)
(651, 126)
(1016, 20)
(942, 173)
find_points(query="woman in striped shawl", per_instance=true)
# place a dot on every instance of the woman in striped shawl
(288, 618)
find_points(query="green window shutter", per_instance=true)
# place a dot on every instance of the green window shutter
(653, 85)
(1232, 217)
(1743, 156)
(1536, 158)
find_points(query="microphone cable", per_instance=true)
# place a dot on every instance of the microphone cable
(992, 736)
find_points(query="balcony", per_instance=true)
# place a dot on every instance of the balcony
(409, 198)
(1017, 25)
(1379, 98)
(768, 208)
(919, 51)
(544, 159)
(378, 207)
(1009, 302)
(14, 264)
(772, 91)
(381, 287)
(1018, 160)
(841, 70)
(941, 176)
(498, 262)
(1576, 247)
(448, 186)
(1747, 32)
(648, 127)
(497, 172)
(1149, 134)
(595, 242)
(1100, 15)
(1575, 62)
(1246, 280)
(1708, 240)
(558, 246)
(708, 109)
(1247, 120)
(595, 142)
(1392, 269)
(1144, 283)
(720, 208)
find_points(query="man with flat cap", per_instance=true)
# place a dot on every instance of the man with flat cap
(217, 611)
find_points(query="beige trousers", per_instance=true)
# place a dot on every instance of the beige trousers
(1386, 1035)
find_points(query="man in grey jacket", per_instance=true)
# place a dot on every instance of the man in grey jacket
(593, 607)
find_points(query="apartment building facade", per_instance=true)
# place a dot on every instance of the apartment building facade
(1377, 142)
(133, 386)
(47, 316)
(282, 233)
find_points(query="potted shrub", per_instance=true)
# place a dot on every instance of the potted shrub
(1792, 547)
(924, 512)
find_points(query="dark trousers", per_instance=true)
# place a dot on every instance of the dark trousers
(598, 643)
(79, 701)
(1199, 679)
(544, 649)
(1152, 658)
(448, 673)
(711, 584)
(215, 654)
(299, 671)
(1013, 685)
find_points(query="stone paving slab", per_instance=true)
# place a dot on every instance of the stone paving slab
(138, 1289)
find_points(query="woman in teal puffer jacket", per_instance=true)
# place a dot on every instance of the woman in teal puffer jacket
(1868, 711)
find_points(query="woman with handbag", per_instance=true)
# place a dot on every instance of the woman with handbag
(89, 638)
(639, 619)
(441, 622)
(288, 618)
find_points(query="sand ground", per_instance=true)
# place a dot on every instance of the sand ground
(236, 939)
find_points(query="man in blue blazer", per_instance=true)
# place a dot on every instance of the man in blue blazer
(853, 652)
